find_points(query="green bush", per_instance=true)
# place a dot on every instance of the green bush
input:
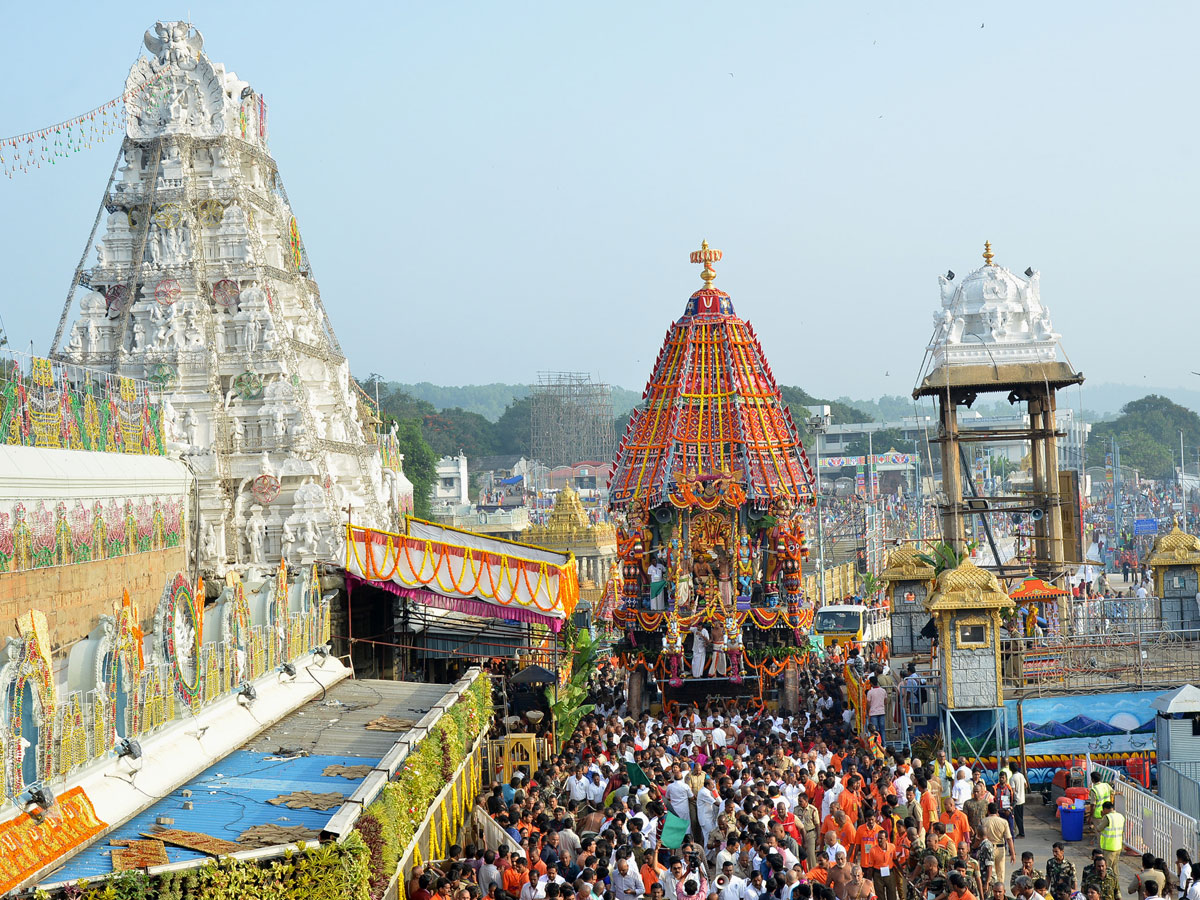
(329, 872)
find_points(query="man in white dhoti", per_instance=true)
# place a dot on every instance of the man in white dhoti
(719, 665)
(678, 794)
(658, 594)
(701, 639)
(707, 809)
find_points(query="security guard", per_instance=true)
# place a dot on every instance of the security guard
(1100, 793)
(1112, 836)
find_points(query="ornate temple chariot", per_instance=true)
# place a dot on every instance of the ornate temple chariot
(707, 487)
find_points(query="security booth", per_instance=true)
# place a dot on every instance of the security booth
(1175, 562)
(966, 605)
(908, 578)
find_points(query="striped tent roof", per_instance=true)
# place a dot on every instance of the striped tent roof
(711, 407)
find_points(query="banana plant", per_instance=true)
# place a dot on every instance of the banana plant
(569, 706)
(944, 557)
(871, 585)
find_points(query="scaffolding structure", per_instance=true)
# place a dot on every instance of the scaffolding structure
(571, 419)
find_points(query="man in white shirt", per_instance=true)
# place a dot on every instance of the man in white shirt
(1019, 787)
(791, 789)
(734, 887)
(903, 780)
(488, 873)
(833, 848)
(627, 882)
(678, 794)
(831, 795)
(595, 790)
(719, 738)
(672, 878)
(727, 854)
(578, 785)
(963, 787)
(824, 756)
(755, 889)
(551, 875)
(650, 832)
(707, 808)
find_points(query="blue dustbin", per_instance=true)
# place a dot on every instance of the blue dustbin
(1072, 823)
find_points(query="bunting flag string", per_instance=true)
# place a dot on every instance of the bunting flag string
(28, 151)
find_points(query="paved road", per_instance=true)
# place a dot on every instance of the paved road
(1042, 830)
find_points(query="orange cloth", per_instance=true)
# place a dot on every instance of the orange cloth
(903, 849)
(851, 802)
(930, 809)
(819, 875)
(883, 854)
(514, 881)
(865, 840)
(957, 826)
(846, 835)
(649, 876)
(965, 895)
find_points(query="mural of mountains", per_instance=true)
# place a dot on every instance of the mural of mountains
(1079, 726)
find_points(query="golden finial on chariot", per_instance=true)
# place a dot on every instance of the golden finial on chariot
(707, 257)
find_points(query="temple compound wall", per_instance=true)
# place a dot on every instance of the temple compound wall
(75, 597)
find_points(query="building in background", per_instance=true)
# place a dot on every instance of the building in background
(451, 488)
(570, 529)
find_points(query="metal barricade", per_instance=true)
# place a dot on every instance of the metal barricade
(1152, 824)
(1179, 785)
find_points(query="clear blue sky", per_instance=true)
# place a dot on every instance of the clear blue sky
(486, 190)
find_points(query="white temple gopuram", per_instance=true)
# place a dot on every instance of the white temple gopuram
(992, 316)
(195, 277)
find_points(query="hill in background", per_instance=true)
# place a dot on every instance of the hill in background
(1100, 402)
(490, 400)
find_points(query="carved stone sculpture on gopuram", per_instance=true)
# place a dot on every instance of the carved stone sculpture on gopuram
(196, 278)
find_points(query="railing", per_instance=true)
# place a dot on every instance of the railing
(916, 705)
(45, 403)
(1126, 615)
(1138, 660)
(1179, 785)
(1152, 823)
(440, 828)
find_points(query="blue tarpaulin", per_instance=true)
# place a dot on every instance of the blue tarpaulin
(514, 480)
(228, 798)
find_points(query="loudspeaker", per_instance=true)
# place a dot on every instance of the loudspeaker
(1037, 514)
